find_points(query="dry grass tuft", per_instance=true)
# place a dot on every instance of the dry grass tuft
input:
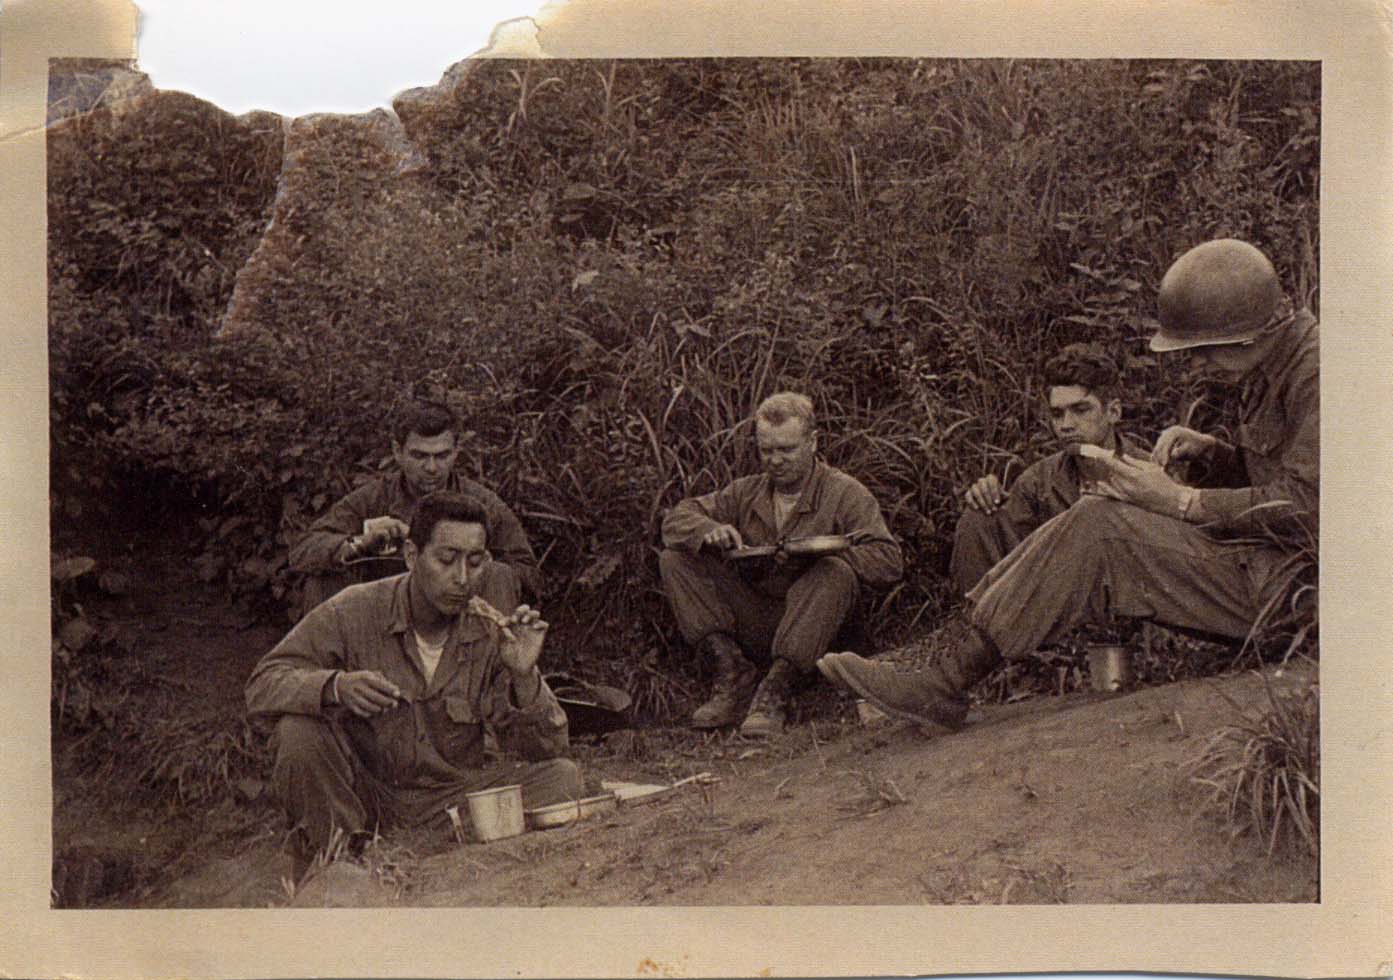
(1264, 772)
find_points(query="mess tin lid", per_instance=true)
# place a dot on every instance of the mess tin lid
(817, 544)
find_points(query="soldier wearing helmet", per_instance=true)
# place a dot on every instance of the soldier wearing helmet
(1140, 543)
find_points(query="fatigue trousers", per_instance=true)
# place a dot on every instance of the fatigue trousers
(500, 584)
(979, 542)
(708, 595)
(323, 784)
(1103, 558)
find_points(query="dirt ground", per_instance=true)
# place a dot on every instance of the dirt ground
(1083, 798)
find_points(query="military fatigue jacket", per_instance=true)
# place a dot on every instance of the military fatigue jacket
(438, 734)
(1051, 486)
(831, 503)
(1274, 467)
(389, 495)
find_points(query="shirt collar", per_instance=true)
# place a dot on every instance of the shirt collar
(404, 495)
(808, 498)
(1286, 345)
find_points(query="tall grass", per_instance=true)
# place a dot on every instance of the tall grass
(605, 266)
(1263, 772)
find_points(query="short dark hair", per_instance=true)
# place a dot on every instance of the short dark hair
(445, 505)
(423, 418)
(1088, 367)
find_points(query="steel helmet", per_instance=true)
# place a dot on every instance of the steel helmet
(1221, 292)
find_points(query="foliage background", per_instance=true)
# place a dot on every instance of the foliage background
(604, 266)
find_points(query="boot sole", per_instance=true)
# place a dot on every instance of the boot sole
(761, 730)
(832, 670)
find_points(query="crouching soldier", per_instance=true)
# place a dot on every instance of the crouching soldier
(381, 695)
(783, 620)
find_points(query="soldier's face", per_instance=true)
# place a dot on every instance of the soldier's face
(447, 571)
(426, 461)
(1078, 416)
(786, 451)
(1227, 362)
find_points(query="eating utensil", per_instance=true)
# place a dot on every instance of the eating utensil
(811, 546)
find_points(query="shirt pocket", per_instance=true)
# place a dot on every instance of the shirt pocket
(459, 731)
(1261, 441)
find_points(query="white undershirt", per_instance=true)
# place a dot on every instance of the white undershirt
(430, 655)
(784, 503)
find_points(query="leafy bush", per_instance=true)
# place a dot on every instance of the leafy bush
(605, 266)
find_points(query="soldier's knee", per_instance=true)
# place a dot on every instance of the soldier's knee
(300, 740)
(1092, 513)
(974, 525)
(552, 781)
(1094, 524)
(674, 564)
(831, 572)
(564, 772)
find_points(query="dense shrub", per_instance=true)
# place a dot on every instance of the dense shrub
(605, 265)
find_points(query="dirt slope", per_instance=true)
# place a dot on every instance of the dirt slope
(1081, 799)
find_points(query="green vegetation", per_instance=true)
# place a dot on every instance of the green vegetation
(604, 265)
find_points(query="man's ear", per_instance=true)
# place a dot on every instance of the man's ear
(408, 553)
(1113, 409)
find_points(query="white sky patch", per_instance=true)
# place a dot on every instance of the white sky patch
(301, 56)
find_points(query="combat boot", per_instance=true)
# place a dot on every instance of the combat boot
(935, 694)
(734, 679)
(767, 710)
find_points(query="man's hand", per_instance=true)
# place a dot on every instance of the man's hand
(985, 495)
(722, 537)
(1141, 483)
(367, 692)
(380, 533)
(1178, 442)
(520, 645)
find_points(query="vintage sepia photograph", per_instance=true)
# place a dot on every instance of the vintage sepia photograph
(787, 481)
(691, 489)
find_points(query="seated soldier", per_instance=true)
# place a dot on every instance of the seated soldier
(372, 520)
(784, 615)
(1139, 544)
(1082, 389)
(381, 695)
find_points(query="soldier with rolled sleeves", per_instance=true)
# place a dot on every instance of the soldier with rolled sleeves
(1083, 400)
(381, 696)
(784, 617)
(1142, 544)
(372, 520)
